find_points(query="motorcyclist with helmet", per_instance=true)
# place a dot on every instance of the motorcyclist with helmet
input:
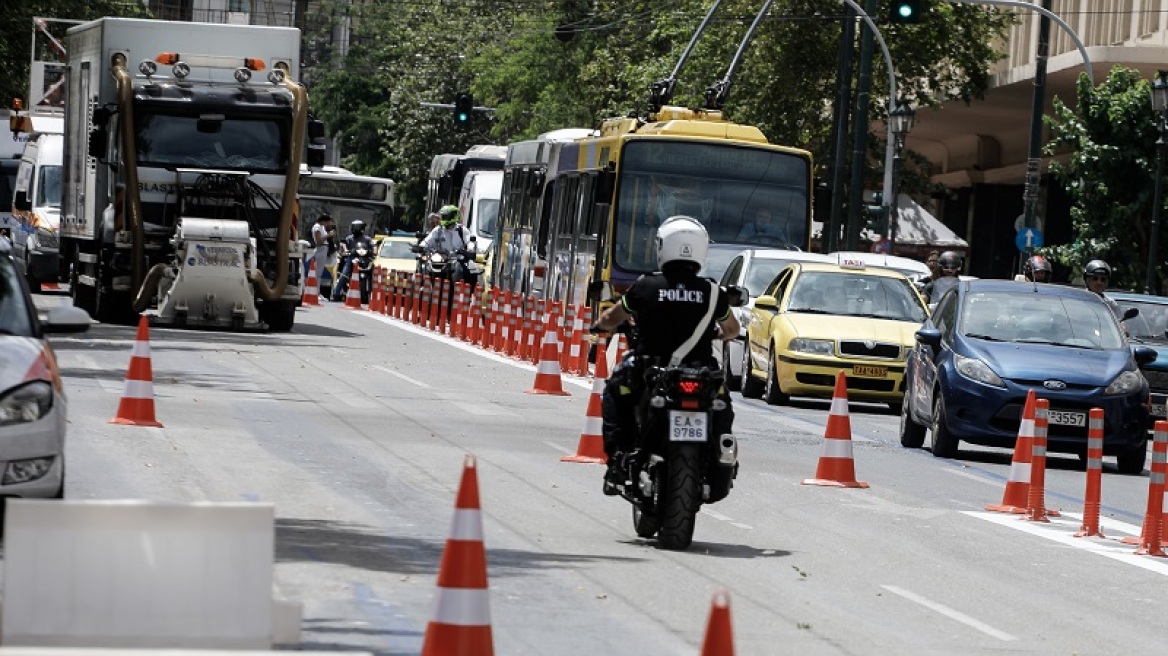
(348, 249)
(676, 313)
(448, 236)
(949, 263)
(1035, 269)
(1096, 277)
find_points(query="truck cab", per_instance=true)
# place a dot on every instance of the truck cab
(479, 205)
(36, 205)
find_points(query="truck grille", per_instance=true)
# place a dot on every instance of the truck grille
(859, 349)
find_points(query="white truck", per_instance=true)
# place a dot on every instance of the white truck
(36, 201)
(479, 205)
(183, 144)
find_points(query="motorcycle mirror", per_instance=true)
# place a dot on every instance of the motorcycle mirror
(737, 295)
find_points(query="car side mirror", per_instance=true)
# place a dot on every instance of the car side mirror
(20, 201)
(737, 295)
(1130, 313)
(66, 319)
(1144, 355)
(767, 302)
(928, 336)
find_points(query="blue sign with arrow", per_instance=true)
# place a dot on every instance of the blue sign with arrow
(1028, 239)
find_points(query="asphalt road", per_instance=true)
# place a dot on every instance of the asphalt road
(355, 427)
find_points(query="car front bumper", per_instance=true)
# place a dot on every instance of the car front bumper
(800, 374)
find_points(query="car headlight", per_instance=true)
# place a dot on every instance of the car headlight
(1125, 383)
(975, 369)
(813, 346)
(26, 403)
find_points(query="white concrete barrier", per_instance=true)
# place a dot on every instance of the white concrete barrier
(141, 574)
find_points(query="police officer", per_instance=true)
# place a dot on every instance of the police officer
(677, 314)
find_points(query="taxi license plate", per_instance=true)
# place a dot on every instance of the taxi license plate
(1066, 418)
(869, 371)
(687, 426)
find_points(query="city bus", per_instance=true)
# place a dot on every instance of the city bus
(611, 191)
(447, 172)
(347, 197)
(519, 256)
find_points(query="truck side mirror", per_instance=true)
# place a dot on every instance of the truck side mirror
(314, 157)
(20, 201)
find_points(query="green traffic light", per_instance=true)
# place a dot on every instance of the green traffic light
(462, 118)
(905, 11)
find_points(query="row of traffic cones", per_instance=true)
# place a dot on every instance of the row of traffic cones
(460, 624)
(311, 295)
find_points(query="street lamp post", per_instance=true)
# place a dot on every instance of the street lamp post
(1160, 106)
(901, 122)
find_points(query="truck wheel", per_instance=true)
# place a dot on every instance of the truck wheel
(114, 308)
(34, 285)
(83, 295)
(279, 315)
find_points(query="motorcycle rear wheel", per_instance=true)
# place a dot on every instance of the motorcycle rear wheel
(681, 497)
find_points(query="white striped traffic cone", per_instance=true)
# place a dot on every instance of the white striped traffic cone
(547, 372)
(461, 624)
(311, 294)
(591, 447)
(836, 467)
(137, 405)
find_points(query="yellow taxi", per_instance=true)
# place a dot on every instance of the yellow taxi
(394, 254)
(815, 320)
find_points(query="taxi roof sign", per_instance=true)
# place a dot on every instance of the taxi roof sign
(851, 263)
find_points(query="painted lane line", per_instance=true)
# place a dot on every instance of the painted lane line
(391, 372)
(972, 477)
(1062, 529)
(559, 448)
(950, 613)
(743, 526)
(715, 514)
(449, 341)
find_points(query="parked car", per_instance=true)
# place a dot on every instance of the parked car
(816, 320)
(1150, 328)
(32, 398)
(753, 269)
(991, 341)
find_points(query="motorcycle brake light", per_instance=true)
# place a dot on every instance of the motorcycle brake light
(690, 404)
(689, 386)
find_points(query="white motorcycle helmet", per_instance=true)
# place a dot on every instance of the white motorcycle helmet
(682, 239)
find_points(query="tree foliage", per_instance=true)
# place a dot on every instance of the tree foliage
(16, 33)
(609, 52)
(1110, 136)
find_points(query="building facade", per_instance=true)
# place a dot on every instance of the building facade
(979, 151)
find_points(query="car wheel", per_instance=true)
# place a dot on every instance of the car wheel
(751, 388)
(773, 394)
(34, 285)
(1131, 462)
(912, 434)
(944, 442)
(733, 383)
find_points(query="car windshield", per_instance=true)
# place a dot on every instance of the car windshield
(856, 294)
(396, 250)
(1152, 321)
(762, 272)
(488, 216)
(14, 314)
(49, 187)
(1026, 317)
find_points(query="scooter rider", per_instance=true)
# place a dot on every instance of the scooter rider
(348, 247)
(1096, 277)
(673, 313)
(1036, 269)
(950, 265)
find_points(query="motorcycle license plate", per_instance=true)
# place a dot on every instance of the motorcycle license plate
(1066, 418)
(869, 371)
(687, 426)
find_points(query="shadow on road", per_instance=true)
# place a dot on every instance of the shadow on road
(718, 549)
(361, 547)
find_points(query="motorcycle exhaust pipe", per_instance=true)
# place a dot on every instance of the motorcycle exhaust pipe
(729, 450)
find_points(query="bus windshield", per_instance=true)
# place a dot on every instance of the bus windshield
(742, 194)
(377, 217)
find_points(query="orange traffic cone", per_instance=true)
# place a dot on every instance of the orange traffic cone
(719, 633)
(591, 447)
(836, 467)
(311, 294)
(1091, 497)
(1017, 492)
(1152, 532)
(547, 372)
(353, 295)
(461, 624)
(137, 405)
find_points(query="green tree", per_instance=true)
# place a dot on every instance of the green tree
(16, 33)
(1109, 138)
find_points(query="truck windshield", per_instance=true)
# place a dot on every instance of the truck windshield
(49, 187)
(256, 144)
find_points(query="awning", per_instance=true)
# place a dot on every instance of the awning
(914, 226)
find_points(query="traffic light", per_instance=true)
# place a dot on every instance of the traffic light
(463, 106)
(906, 11)
(876, 215)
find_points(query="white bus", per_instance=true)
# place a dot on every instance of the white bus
(347, 197)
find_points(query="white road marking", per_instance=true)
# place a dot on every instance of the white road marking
(950, 613)
(391, 372)
(559, 448)
(973, 477)
(1062, 530)
(741, 525)
(715, 514)
(470, 348)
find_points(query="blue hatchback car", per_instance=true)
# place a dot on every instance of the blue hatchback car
(991, 341)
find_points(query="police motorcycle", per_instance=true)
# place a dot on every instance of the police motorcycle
(679, 462)
(460, 265)
(362, 256)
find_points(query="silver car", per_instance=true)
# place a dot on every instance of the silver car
(32, 396)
